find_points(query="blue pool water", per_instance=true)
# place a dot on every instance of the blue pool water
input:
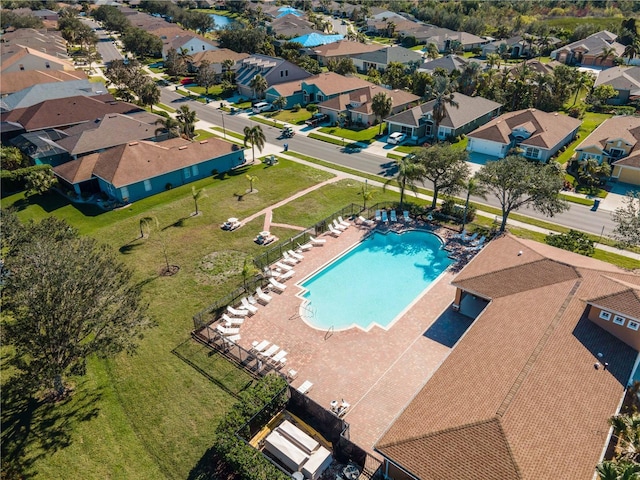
(375, 281)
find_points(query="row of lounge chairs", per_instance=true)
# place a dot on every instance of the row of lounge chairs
(270, 353)
(383, 216)
(472, 240)
(338, 226)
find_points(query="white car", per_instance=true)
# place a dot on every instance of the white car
(262, 107)
(396, 138)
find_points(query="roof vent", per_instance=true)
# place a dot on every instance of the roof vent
(131, 144)
(183, 147)
(204, 141)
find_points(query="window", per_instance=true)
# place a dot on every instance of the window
(124, 191)
(532, 152)
(618, 320)
(605, 315)
(147, 185)
(192, 48)
(194, 170)
(407, 130)
(320, 98)
(633, 325)
(616, 152)
(186, 172)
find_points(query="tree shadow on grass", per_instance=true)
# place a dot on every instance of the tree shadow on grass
(210, 467)
(33, 428)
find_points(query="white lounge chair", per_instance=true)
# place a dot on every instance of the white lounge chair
(385, 218)
(471, 238)
(406, 216)
(295, 255)
(338, 226)
(316, 242)
(231, 320)
(378, 216)
(333, 231)
(246, 305)
(305, 247)
(237, 312)
(276, 285)
(479, 242)
(271, 351)
(278, 357)
(305, 387)
(227, 330)
(259, 347)
(232, 338)
(286, 276)
(283, 266)
(343, 222)
(288, 258)
(364, 221)
(393, 216)
(263, 297)
(289, 261)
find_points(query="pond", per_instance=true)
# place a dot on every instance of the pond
(221, 21)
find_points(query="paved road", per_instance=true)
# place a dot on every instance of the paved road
(105, 46)
(578, 216)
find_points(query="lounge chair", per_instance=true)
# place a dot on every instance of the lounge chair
(378, 217)
(271, 351)
(305, 246)
(289, 260)
(385, 219)
(277, 358)
(364, 221)
(462, 235)
(407, 218)
(316, 242)
(276, 285)
(343, 222)
(286, 276)
(479, 242)
(260, 347)
(237, 312)
(393, 216)
(229, 321)
(227, 330)
(338, 226)
(471, 238)
(263, 297)
(247, 306)
(295, 255)
(305, 387)
(333, 231)
(283, 266)
(232, 338)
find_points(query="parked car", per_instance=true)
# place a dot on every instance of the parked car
(396, 138)
(316, 119)
(262, 107)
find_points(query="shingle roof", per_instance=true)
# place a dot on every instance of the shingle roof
(448, 62)
(595, 43)
(626, 128)
(49, 91)
(16, 81)
(522, 374)
(345, 48)
(14, 53)
(621, 78)
(217, 56)
(364, 96)
(550, 128)
(626, 302)
(390, 54)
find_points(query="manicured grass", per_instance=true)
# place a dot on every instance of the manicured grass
(166, 107)
(267, 121)
(570, 23)
(229, 133)
(589, 123)
(243, 105)
(296, 118)
(156, 69)
(578, 200)
(365, 135)
(202, 135)
(394, 156)
(324, 138)
(96, 79)
(215, 91)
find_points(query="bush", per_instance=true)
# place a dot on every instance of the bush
(168, 186)
(573, 241)
(296, 107)
(312, 108)
(620, 110)
(162, 113)
(577, 112)
(16, 180)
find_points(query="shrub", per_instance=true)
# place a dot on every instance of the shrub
(573, 241)
(168, 186)
(162, 113)
(296, 107)
(577, 112)
(16, 180)
(312, 108)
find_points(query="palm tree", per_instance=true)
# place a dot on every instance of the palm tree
(255, 136)
(367, 194)
(493, 59)
(607, 52)
(627, 430)
(633, 49)
(170, 126)
(227, 69)
(197, 195)
(381, 105)
(280, 103)
(391, 28)
(251, 178)
(473, 187)
(185, 56)
(409, 172)
(432, 51)
(442, 92)
(581, 80)
(187, 119)
(469, 78)
(259, 85)
(612, 470)
(149, 94)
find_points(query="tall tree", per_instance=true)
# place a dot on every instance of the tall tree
(582, 80)
(149, 94)
(173, 64)
(11, 158)
(169, 125)
(627, 430)
(187, 119)
(395, 75)
(633, 49)
(445, 167)
(516, 183)
(607, 53)
(67, 298)
(409, 172)
(442, 91)
(206, 76)
(627, 218)
(381, 104)
(259, 85)
(255, 136)
(280, 103)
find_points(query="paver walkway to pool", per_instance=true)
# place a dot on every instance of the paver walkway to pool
(379, 371)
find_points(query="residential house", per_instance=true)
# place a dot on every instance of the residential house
(342, 49)
(517, 46)
(50, 42)
(380, 23)
(276, 12)
(448, 63)
(544, 366)
(41, 147)
(615, 141)
(289, 26)
(191, 43)
(136, 170)
(15, 58)
(625, 80)
(418, 124)
(588, 51)
(316, 39)
(538, 134)
(50, 91)
(215, 59)
(16, 81)
(380, 59)
(532, 66)
(314, 89)
(356, 105)
(46, 14)
(275, 71)
(445, 39)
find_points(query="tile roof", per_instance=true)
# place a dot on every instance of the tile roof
(522, 378)
(448, 62)
(62, 112)
(331, 83)
(364, 96)
(594, 44)
(16, 81)
(469, 109)
(390, 54)
(549, 128)
(621, 78)
(345, 48)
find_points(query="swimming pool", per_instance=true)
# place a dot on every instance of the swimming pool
(373, 283)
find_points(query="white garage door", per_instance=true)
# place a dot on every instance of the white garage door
(486, 147)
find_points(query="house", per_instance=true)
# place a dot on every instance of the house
(525, 394)
(290, 25)
(615, 141)
(136, 170)
(215, 59)
(49, 91)
(191, 43)
(37, 39)
(15, 58)
(275, 71)
(588, 51)
(316, 39)
(533, 66)
(449, 63)
(314, 89)
(46, 14)
(356, 105)
(517, 46)
(380, 59)
(16, 81)
(625, 80)
(418, 124)
(342, 49)
(41, 147)
(539, 134)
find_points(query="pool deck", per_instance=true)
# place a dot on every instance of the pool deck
(378, 372)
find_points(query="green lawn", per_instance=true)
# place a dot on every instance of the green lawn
(289, 116)
(364, 135)
(589, 123)
(570, 23)
(152, 415)
(229, 133)
(166, 107)
(215, 91)
(203, 135)
(156, 69)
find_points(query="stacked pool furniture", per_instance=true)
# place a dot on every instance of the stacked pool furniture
(298, 451)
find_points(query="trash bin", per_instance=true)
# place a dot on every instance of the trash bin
(286, 147)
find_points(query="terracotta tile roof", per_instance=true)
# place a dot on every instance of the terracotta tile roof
(626, 302)
(527, 363)
(345, 48)
(16, 81)
(548, 128)
(364, 96)
(62, 112)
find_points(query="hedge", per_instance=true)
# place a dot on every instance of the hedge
(12, 181)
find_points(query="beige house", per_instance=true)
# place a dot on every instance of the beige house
(342, 49)
(616, 142)
(15, 58)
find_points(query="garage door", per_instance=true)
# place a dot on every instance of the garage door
(629, 175)
(485, 146)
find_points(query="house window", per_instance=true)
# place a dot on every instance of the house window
(320, 98)
(633, 325)
(407, 130)
(194, 170)
(605, 315)
(147, 185)
(186, 172)
(618, 320)
(532, 152)
(124, 191)
(192, 48)
(616, 152)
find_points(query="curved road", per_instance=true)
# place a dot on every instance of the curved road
(578, 216)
